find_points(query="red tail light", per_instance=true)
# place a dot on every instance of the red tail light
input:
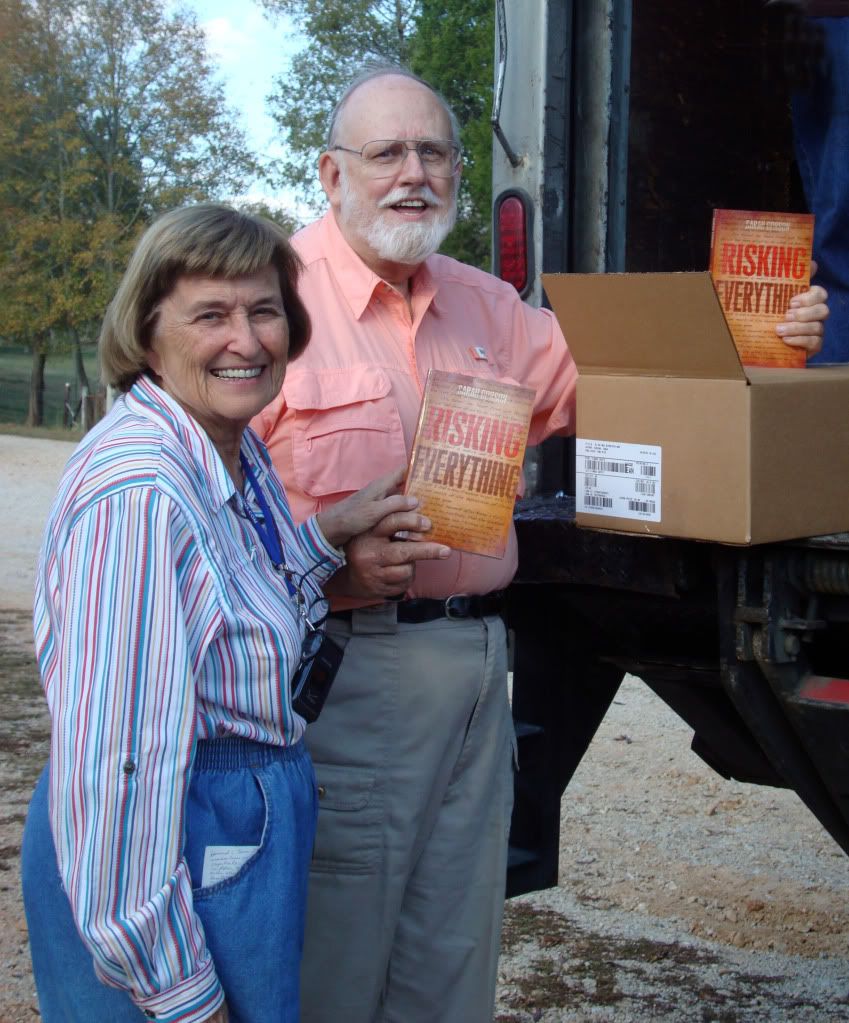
(512, 241)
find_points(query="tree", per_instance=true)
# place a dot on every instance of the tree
(109, 113)
(343, 36)
(154, 120)
(453, 50)
(284, 218)
(448, 43)
(38, 154)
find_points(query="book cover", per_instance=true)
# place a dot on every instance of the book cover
(758, 262)
(466, 461)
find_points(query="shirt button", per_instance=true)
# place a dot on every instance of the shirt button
(322, 792)
(129, 767)
(149, 1014)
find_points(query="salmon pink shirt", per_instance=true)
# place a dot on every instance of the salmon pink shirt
(349, 405)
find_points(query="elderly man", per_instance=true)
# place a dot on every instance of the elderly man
(414, 748)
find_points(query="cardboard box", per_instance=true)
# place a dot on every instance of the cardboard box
(676, 438)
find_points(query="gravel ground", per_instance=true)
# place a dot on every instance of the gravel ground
(682, 896)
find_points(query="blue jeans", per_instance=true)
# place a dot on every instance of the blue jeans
(821, 133)
(240, 793)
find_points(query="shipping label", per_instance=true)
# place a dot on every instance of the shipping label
(615, 479)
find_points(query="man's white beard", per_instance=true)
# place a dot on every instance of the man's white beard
(407, 243)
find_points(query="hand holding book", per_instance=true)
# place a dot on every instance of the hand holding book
(761, 267)
(377, 565)
(803, 324)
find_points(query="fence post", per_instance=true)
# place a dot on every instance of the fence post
(66, 408)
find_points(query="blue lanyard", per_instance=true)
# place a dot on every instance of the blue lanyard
(266, 530)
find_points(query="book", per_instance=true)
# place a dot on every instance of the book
(466, 462)
(758, 262)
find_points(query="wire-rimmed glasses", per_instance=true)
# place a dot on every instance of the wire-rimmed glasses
(383, 157)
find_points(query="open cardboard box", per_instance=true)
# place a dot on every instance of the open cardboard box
(676, 438)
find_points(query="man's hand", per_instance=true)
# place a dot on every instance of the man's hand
(366, 508)
(803, 326)
(221, 1015)
(379, 567)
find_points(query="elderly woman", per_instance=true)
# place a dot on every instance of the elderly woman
(174, 598)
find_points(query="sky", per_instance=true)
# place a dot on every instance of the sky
(250, 50)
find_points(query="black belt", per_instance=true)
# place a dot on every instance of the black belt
(429, 609)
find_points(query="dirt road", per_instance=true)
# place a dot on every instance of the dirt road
(682, 897)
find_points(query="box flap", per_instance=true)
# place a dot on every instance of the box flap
(665, 324)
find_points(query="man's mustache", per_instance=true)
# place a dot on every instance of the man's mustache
(427, 195)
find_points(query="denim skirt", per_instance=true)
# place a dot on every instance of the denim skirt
(241, 793)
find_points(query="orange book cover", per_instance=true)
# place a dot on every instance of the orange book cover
(466, 462)
(758, 262)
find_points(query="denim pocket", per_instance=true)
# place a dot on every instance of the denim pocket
(350, 819)
(226, 811)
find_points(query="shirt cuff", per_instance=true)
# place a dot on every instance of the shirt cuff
(191, 1001)
(319, 547)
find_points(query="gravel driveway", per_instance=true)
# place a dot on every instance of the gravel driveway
(682, 896)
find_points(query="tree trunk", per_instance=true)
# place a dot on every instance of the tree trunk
(79, 365)
(35, 416)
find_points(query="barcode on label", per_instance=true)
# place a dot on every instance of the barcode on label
(645, 487)
(648, 470)
(647, 507)
(590, 481)
(604, 465)
(598, 502)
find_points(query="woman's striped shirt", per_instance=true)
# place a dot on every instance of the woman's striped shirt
(159, 620)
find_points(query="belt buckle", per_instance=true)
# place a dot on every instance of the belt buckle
(454, 612)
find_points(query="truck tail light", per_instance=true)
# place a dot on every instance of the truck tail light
(825, 690)
(513, 240)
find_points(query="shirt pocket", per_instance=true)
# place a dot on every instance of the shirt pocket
(347, 429)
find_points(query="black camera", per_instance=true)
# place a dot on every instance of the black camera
(320, 660)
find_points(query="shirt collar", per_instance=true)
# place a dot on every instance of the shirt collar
(150, 401)
(358, 283)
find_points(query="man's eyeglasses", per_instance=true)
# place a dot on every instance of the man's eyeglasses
(383, 157)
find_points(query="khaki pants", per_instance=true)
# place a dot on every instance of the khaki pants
(413, 761)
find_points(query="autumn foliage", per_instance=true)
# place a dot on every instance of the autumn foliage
(109, 113)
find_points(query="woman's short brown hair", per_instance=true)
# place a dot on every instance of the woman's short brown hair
(209, 239)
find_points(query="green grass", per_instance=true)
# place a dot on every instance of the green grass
(15, 369)
(72, 436)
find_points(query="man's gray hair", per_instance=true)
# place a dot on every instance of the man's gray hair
(383, 70)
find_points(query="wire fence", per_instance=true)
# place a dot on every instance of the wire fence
(65, 403)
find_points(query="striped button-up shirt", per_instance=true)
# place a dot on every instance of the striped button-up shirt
(159, 620)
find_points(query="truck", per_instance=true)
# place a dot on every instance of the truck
(618, 128)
